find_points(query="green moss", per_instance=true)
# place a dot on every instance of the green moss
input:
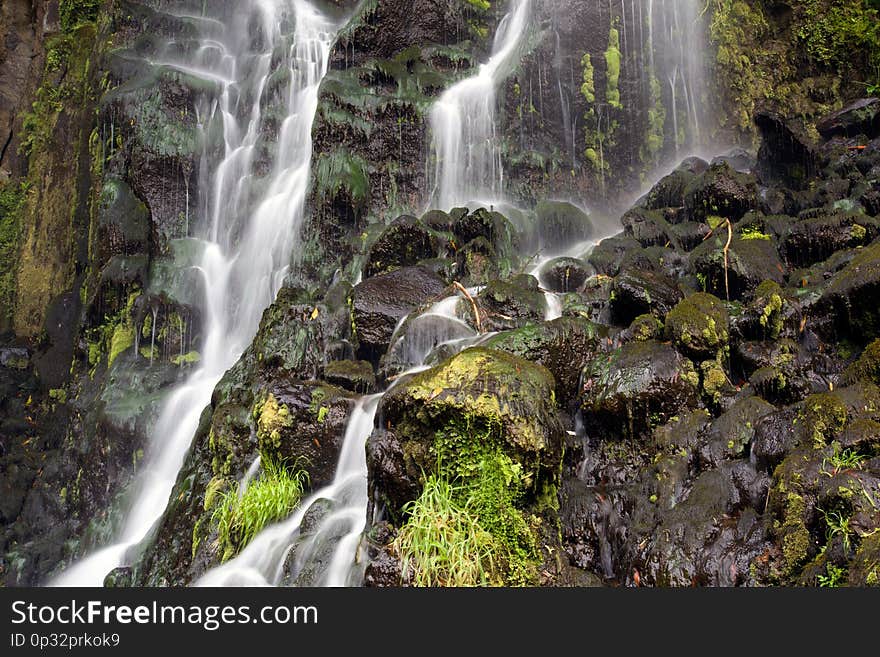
(699, 325)
(867, 367)
(652, 144)
(825, 415)
(612, 73)
(59, 395)
(272, 418)
(796, 540)
(768, 300)
(588, 88)
(646, 327)
(11, 200)
(187, 358)
(123, 338)
(714, 380)
(74, 13)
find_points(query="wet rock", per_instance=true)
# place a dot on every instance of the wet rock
(354, 375)
(738, 159)
(123, 222)
(642, 383)
(402, 244)
(16, 358)
(379, 303)
(786, 154)
(699, 325)
(861, 117)
(730, 436)
(670, 190)
(852, 298)
(647, 227)
(487, 398)
(303, 425)
(639, 292)
(390, 469)
(118, 578)
(815, 239)
(644, 327)
(565, 274)
(564, 346)
(749, 263)
(608, 254)
(723, 192)
(506, 304)
(561, 224)
(291, 336)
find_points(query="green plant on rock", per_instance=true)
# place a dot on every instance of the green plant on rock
(442, 542)
(838, 524)
(612, 64)
(74, 13)
(241, 514)
(842, 460)
(834, 576)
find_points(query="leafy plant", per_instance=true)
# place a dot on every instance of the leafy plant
(835, 575)
(241, 515)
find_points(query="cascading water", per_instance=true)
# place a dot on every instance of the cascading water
(249, 235)
(677, 60)
(468, 157)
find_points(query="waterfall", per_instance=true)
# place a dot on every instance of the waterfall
(249, 234)
(676, 55)
(464, 143)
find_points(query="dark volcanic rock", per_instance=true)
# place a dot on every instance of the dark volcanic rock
(638, 292)
(379, 303)
(723, 192)
(861, 117)
(565, 274)
(640, 383)
(404, 243)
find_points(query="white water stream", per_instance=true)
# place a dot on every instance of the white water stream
(250, 234)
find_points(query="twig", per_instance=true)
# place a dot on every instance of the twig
(726, 253)
(476, 311)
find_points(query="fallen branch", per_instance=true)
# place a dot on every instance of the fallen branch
(726, 255)
(474, 308)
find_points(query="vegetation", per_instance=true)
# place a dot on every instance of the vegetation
(242, 514)
(11, 200)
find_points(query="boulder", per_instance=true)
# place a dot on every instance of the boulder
(638, 292)
(721, 191)
(402, 244)
(561, 224)
(636, 387)
(861, 117)
(852, 297)
(699, 325)
(510, 303)
(380, 302)
(565, 274)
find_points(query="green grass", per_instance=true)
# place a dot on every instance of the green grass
(841, 460)
(270, 498)
(837, 524)
(443, 543)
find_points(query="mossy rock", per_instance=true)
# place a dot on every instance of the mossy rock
(749, 263)
(864, 569)
(647, 227)
(507, 304)
(731, 434)
(487, 395)
(721, 191)
(638, 292)
(564, 346)
(670, 190)
(699, 325)
(561, 224)
(123, 220)
(607, 256)
(645, 327)
(860, 117)
(354, 375)
(852, 297)
(815, 239)
(403, 243)
(637, 387)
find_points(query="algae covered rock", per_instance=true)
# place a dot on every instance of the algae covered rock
(479, 400)
(402, 244)
(639, 292)
(638, 386)
(852, 297)
(699, 325)
(562, 224)
(722, 192)
(565, 274)
(749, 263)
(563, 346)
(860, 117)
(506, 304)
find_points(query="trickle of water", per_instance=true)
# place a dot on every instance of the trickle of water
(468, 157)
(251, 236)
